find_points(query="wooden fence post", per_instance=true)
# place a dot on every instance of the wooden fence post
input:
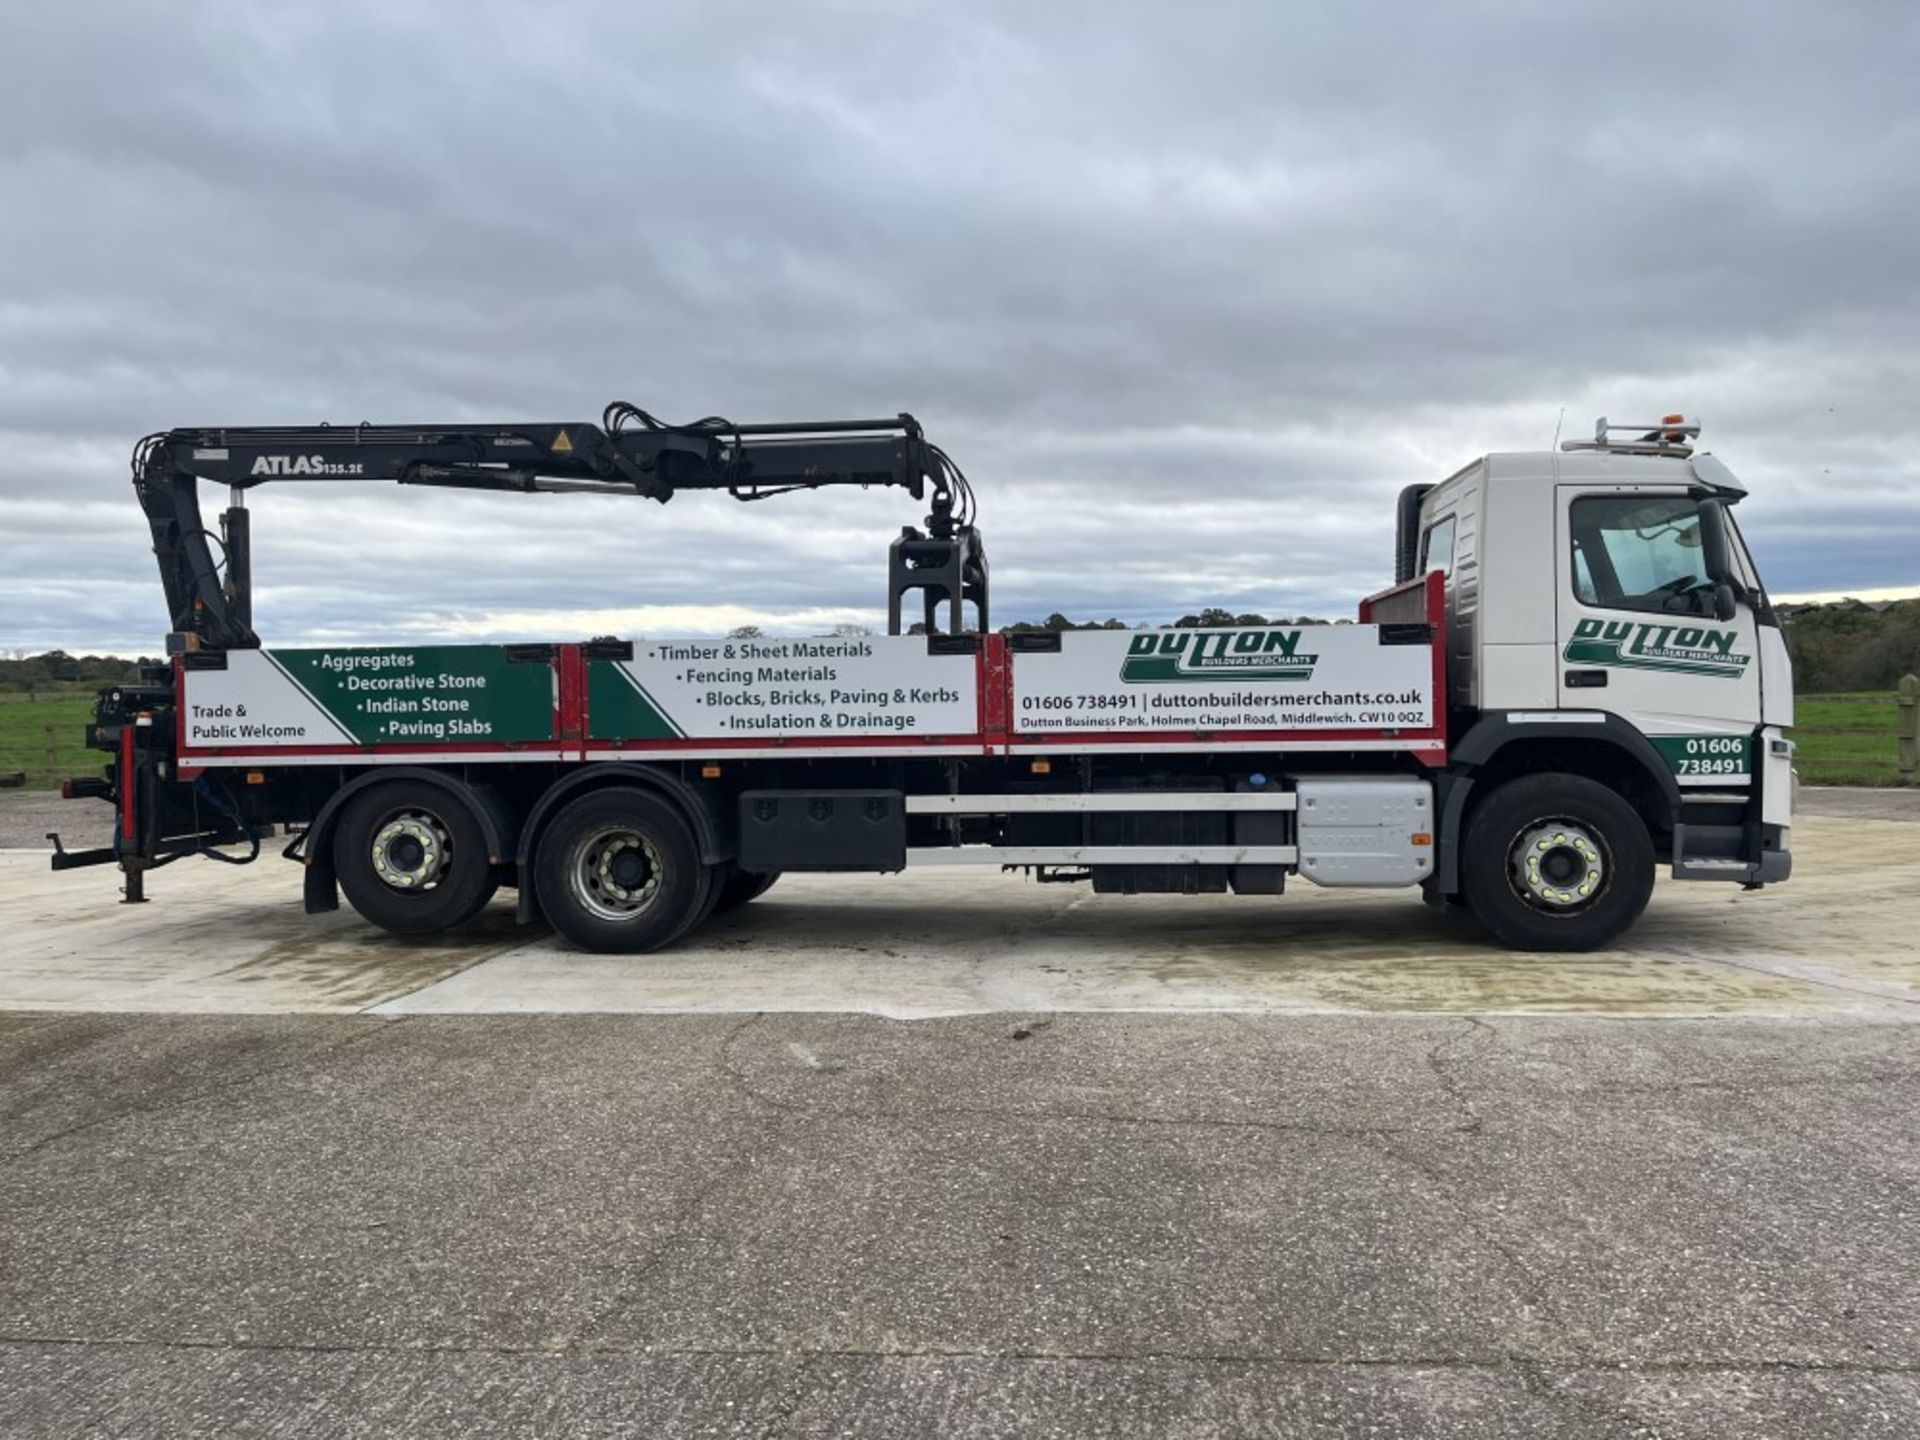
(1908, 728)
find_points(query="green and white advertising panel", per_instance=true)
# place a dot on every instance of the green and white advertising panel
(463, 697)
(743, 689)
(1316, 677)
(445, 696)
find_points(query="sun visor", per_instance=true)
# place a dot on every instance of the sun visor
(1716, 476)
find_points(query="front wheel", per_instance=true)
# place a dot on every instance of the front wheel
(617, 870)
(1556, 862)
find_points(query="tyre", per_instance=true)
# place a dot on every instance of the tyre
(741, 887)
(412, 858)
(713, 880)
(1556, 862)
(617, 870)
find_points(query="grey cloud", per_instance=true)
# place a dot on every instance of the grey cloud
(1188, 298)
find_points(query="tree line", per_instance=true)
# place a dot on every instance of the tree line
(21, 673)
(1848, 646)
(1212, 618)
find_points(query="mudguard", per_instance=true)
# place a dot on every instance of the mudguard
(321, 889)
(707, 835)
(1494, 732)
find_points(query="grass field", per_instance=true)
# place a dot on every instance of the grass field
(1843, 739)
(24, 736)
(1846, 739)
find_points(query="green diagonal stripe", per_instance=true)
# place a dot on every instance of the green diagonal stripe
(619, 707)
(294, 680)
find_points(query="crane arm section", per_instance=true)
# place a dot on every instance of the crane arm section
(627, 453)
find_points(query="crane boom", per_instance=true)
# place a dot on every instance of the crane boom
(627, 453)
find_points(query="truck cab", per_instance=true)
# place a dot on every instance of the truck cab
(1605, 619)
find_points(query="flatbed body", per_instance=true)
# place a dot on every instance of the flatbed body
(1292, 689)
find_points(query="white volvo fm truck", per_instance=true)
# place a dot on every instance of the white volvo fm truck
(1575, 682)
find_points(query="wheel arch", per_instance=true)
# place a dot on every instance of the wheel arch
(495, 817)
(1605, 748)
(709, 833)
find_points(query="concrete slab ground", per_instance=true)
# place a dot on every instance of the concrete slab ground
(1186, 1168)
(1837, 939)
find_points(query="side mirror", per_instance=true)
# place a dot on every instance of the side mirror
(1725, 603)
(1715, 554)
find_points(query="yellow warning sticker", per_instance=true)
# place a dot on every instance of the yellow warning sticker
(562, 445)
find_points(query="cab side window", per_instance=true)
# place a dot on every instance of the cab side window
(1640, 552)
(1436, 547)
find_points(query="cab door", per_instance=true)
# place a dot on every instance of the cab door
(1638, 634)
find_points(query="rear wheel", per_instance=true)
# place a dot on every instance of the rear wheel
(1556, 862)
(714, 879)
(412, 858)
(740, 887)
(617, 870)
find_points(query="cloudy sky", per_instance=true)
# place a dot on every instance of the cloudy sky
(1189, 290)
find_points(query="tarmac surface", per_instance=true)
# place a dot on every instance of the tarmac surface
(1205, 1167)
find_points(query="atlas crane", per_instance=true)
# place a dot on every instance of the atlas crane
(629, 453)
